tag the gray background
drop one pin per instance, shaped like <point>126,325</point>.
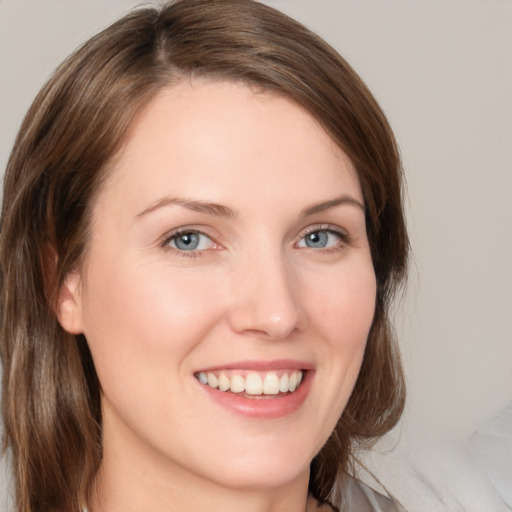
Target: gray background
<point>442,71</point>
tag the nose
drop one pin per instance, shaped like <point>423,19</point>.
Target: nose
<point>266,299</point>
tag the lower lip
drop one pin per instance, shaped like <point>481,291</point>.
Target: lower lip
<point>268,407</point>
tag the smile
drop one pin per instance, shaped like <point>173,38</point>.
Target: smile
<point>252,383</point>
<point>258,390</point>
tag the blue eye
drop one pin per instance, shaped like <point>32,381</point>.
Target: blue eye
<point>189,241</point>
<point>320,239</point>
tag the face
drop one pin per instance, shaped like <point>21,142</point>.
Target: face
<point>228,289</point>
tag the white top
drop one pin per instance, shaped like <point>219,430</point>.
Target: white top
<point>492,446</point>
<point>355,496</point>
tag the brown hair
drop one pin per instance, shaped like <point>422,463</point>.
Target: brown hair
<point>76,125</point>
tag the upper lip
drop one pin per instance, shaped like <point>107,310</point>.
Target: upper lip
<point>260,366</point>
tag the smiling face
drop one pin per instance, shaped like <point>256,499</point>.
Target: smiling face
<point>228,250</point>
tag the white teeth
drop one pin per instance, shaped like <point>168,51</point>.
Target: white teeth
<point>292,386</point>
<point>237,384</point>
<point>223,382</point>
<point>271,384</point>
<point>213,382</point>
<point>253,383</point>
<point>283,383</point>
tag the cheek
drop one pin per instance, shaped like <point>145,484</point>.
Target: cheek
<point>343,310</point>
<point>356,313</point>
<point>142,324</point>
<point>135,315</point>
<point>344,303</point>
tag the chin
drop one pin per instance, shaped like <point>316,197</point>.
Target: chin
<point>263,467</point>
<point>266,476</point>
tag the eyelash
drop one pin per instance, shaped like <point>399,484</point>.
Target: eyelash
<point>184,231</point>
<point>344,237</point>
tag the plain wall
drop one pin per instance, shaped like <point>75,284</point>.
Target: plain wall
<point>442,73</point>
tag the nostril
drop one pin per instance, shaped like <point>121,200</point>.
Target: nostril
<point>258,321</point>
<point>264,299</point>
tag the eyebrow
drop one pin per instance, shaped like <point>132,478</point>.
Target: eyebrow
<point>332,203</point>
<point>217,210</point>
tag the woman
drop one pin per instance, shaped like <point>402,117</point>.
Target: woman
<point>201,233</point>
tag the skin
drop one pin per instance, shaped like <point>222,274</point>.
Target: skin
<point>155,315</point>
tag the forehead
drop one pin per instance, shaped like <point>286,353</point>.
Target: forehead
<point>201,134</point>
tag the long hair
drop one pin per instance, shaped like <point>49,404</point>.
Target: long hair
<point>68,139</point>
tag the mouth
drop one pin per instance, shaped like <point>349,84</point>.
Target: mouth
<point>259,390</point>
<point>253,384</point>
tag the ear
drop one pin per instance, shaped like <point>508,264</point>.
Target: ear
<point>69,306</point>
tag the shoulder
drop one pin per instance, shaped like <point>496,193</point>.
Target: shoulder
<point>355,496</point>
